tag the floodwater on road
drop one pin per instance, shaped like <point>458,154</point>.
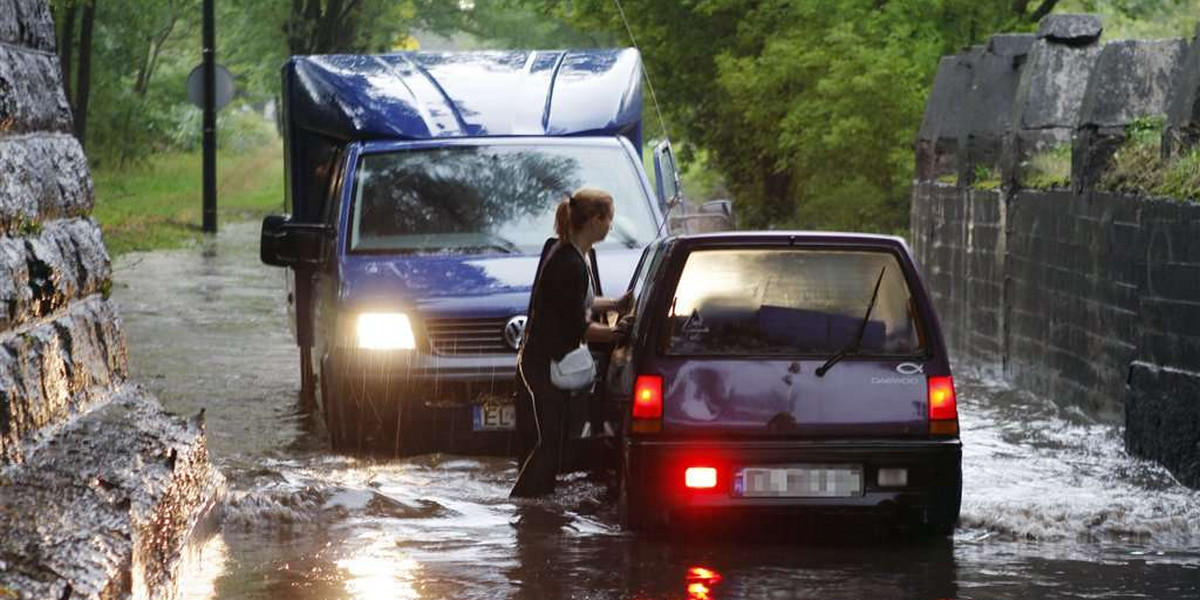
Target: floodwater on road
<point>1052,505</point>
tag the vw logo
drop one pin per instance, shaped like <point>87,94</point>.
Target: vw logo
<point>910,368</point>
<point>514,330</point>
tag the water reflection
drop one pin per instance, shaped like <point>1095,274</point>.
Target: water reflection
<point>199,569</point>
<point>380,571</point>
<point>700,583</point>
<point>813,568</point>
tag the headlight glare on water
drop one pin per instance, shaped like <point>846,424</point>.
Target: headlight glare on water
<point>385,331</point>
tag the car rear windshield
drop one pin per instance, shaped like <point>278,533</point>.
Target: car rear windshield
<point>489,198</point>
<point>791,302</point>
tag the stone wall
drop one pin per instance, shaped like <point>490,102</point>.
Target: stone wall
<point>1089,298</point>
<point>99,489</point>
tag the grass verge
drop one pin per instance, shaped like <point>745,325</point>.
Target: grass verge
<point>1138,166</point>
<point>157,204</point>
<point>1049,169</point>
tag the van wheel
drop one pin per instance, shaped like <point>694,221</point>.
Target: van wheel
<point>355,425</point>
<point>332,410</point>
<point>332,425</point>
<point>308,381</point>
<point>343,418</point>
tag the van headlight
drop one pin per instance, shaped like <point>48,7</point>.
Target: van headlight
<point>385,331</point>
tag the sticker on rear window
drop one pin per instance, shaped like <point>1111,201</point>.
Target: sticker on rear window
<point>694,325</point>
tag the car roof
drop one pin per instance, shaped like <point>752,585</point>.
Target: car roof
<point>726,238</point>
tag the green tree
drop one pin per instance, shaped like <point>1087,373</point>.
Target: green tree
<point>110,53</point>
<point>809,108</point>
<point>513,24</point>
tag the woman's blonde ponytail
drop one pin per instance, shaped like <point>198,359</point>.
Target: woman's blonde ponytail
<point>562,220</point>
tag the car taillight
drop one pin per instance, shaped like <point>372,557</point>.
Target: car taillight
<point>700,478</point>
<point>647,403</point>
<point>943,406</point>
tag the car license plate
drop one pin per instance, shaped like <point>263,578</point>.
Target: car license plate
<point>494,417</point>
<point>799,481</point>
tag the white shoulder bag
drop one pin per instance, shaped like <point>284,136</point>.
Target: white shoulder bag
<point>575,372</point>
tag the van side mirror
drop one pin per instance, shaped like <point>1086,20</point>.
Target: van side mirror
<point>666,176</point>
<point>285,243</point>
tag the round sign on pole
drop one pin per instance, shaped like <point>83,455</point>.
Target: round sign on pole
<point>195,86</point>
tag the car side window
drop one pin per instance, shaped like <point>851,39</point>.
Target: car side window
<point>639,273</point>
<point>644,281</point>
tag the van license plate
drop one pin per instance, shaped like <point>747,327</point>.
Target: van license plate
<point>494,417</point>
<point>799,481</point>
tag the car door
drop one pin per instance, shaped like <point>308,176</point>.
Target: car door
<point>324,281</point>
<point>618,380</point>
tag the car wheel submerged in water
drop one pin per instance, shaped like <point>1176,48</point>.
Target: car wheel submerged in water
<point>940,517</point>
<point>633,512</point>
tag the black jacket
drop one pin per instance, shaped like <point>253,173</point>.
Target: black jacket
<point>558,315</point>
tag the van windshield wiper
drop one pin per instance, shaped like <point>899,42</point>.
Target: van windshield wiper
<point>626,239</point>
<point>502,244</point>
<point>853,346</point>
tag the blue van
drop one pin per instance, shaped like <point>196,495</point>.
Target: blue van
<point>421,189</point>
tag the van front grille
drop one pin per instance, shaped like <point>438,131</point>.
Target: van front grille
<point>457,337</point>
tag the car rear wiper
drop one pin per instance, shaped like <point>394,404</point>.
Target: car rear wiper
<point>853,346</point>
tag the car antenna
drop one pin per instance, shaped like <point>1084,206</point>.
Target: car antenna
<point>662,123</point>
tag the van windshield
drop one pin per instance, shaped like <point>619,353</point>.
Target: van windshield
<point>489,198</point>
<point>791,302</point>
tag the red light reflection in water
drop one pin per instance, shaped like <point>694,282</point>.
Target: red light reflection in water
<point>700,582</point>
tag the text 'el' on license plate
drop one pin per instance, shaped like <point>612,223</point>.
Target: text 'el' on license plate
<point>799,481</point>
<point>494,417</point>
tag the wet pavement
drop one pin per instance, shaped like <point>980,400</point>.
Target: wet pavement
<point>1052,507</point>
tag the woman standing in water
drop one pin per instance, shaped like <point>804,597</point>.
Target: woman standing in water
<point>560,320</point>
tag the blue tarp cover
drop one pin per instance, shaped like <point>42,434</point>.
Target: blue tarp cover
<point>425,95</point>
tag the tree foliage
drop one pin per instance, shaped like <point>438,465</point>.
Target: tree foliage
<point>808,108</point>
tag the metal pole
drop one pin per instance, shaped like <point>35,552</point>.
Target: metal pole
<point>210,120</point>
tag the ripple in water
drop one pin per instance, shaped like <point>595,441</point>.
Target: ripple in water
<point>1034,471</point>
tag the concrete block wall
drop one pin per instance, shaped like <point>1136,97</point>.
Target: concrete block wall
<point>1131,79</point>
<point>1089,298</point>
<point>99,488</point>
<point>961,250</point>
<point>1072,288</point>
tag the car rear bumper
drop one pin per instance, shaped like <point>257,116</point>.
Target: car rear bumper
<point>656,474</point>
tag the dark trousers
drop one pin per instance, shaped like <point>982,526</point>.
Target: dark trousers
<point>548,407</point>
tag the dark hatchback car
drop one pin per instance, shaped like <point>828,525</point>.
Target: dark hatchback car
<point>785,372</point>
